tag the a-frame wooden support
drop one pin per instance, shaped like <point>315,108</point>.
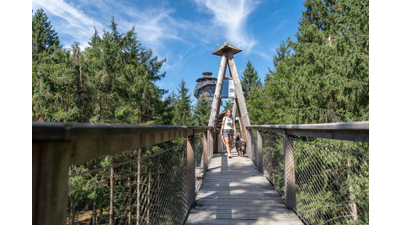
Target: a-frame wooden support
<point>227,51</point>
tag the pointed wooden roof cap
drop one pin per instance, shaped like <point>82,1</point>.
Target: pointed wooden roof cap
<point>225,46</point>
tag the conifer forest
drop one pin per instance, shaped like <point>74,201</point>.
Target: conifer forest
<point>319,76</point>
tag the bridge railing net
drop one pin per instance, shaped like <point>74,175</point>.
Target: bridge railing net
<point>145,186</point>
<point>332,178</point>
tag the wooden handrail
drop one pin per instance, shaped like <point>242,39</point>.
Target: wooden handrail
<point>350,131</point>
<point>69,131</point>
<point>55,146</point>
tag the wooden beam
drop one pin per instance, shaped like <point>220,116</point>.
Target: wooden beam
<point>260,151</point>
<point>241,103</point>
<point>205,153</point>
<point>51,161</point>
<point>217,96</point>
<point>350,131</point>
<point>238,89</point>
<point>190,171</point>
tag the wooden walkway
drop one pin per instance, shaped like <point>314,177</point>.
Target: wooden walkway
<point>235,192</point>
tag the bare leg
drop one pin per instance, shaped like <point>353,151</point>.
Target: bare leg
<point>228,144</point>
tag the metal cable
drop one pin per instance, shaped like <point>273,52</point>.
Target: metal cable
<point>149,189</point>
<point>331,183</point>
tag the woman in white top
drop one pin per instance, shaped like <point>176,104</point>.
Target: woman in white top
<point>228,130</point>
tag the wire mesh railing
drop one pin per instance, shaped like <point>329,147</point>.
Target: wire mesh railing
<point>89,174</point>
<point>331,183</point>
<point>146,186</point>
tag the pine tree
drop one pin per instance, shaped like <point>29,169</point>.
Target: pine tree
<point>182,108</point>
<point>323,78</point>
<point>54,83</point>
<point>267,105</point>
<point>44,39</point>
<point>250,80</point>
<point>123,76</point>
<point>227,105</point>
<point>201,112</point>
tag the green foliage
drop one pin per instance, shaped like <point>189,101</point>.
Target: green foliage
<point>250,80</point>
<point>182,108</point>
<point>201,112</point>
<point>44,39</point>
<point>227,105</point>
<point>111,81</point>
<point>322,78</point>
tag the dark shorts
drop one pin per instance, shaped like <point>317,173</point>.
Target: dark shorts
<point>227,133</point>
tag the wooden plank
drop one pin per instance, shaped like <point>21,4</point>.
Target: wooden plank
<point>234,191</point>
<point>247,222</point>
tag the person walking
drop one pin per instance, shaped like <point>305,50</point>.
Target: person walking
<point>228,131</point>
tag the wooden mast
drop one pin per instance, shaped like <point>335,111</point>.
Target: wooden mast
<point>226,51</point>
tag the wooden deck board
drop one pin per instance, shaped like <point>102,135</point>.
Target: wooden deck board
<point>235,192</point>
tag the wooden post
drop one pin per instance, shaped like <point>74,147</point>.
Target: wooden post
<point>227,51</point>
<point>190,171</point>
<point>260,151</point>
<point>216,104</point>
<point>217,96</point>
<point>234,108</point>
<point>50,163</point>
<point>290,188</point>
<point>254,147</point>
<point>205,153</point>
<point>241,103</point>
<point>242,132</point>
<point>353,206</point>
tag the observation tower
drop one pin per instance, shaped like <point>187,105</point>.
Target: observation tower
<point>205,86</point>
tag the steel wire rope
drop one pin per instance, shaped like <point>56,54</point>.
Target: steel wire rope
<point>322,146</point>
<point>124,163</point>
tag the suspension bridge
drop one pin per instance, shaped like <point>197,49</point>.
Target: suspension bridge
<point>161,174</point>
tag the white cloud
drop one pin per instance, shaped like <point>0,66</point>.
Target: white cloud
<point>281,25</point>
<point>231,16</point>
<point>75,22</point>
<point>263,55</point>
<point>157,28</point>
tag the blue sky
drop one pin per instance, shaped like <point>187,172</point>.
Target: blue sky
<point>185,32</point>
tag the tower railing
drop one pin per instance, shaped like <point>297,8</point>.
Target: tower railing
<point>116,174</point>
<point>320,170</point>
